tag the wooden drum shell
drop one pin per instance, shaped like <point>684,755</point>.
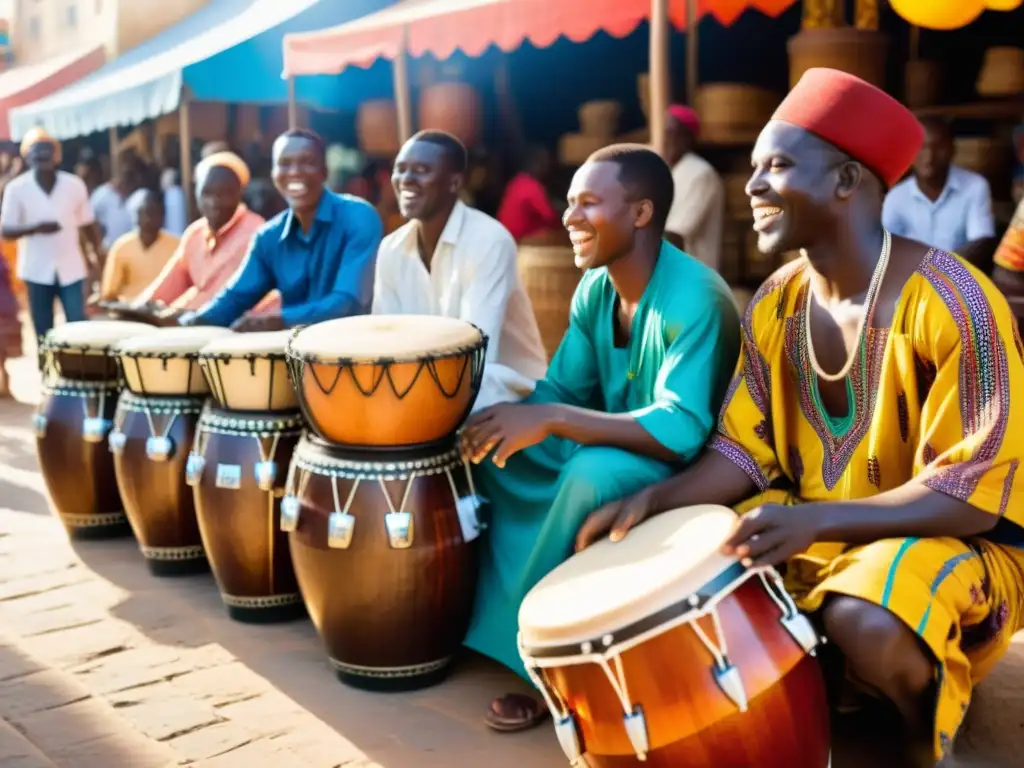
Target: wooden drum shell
<point>157,500</point>
<point>389,618</point>
<point>80,364</point>
<point>256,383</point>
<point>240,526</point>
<point>79,475</point>
<point>164,375</point>
<point>691,722</point>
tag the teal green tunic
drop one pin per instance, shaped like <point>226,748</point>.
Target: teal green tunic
<point>671,377</point>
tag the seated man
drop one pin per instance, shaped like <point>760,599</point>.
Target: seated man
<point>632,391</point>
<point>525,209</point>
<point>136,259</point>
<point>452,260</point>
<point>896,424</point>
<point>319,254</point>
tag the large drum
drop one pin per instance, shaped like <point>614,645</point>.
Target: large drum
<point>83,350</point>
<point>658,649</point>
<point>150,442</point>
<point>248,372</point>
<point>165,361</point>
<point>71,425</point>
<point>384,551</point>
<point>387,380</point>
<point>237,470</point>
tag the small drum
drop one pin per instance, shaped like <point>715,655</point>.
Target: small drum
<point>163,362</point>
<point>248,372</point>
<point>71,425</point>
<point>150,442</point>
<point>384,551</point>
<point>237,471</point>
<point>387,380</point>
<point>83,350</point>
<point>658,649</point>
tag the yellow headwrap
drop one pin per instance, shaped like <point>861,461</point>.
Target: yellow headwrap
<point>228,160</point>
<point>37,136</point>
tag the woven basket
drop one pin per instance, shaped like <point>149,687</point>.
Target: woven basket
<point>861,52</point>
<point>737,204</point>
<point>600,118</point>
<point>923,83</point>
<point>550,277</point>
<point>733,111</point>
<point>451,107</point>
<point>377,128</point>
<point>1002,73</point>
<point>575,148</point>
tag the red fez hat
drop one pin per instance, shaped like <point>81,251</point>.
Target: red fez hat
<point>863,121</point>
<point>687,117</point>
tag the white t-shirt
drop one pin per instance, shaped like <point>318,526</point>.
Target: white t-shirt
<point>473,276</point>
<point>56,258</point>
<point>112,213</point>
<point>698,208</point>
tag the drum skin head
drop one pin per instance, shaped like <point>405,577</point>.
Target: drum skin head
<point>172,341</point>
<point>369,338</point>
<point>96,334</point>
<point>244,344</point>
<point>610,586</point>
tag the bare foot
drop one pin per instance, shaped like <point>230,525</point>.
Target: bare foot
<point>515,712</point>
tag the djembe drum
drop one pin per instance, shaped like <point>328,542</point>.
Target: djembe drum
<point>660,650</point>
<point>237,469</point>
<point>154,426</point>
<point>80,391</point>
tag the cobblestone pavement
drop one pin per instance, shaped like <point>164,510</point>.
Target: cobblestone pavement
<point>103,665</point>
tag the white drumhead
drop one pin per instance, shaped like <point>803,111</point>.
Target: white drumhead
<point>182,341</point>
<point>372,337</point>
<point>96,334</point>
<point>242,344</point>
<point>610,586</point>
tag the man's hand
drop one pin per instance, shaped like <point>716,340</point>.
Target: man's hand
<point>46,228</point>
<point>774,533</point>
<point>248,324</point>
<point>616,518</point>
<point>505,429</point>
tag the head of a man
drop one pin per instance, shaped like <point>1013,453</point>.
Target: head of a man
<point>621,193</point>
<point>42,156</point>
<point>428,174</point>
<point>149,213</point>
<point>825,160</point>
<point>219,194</point>
<point>936,156</point>
<point>682,127</point>
<point>300,168</point>
<point>537,162</point>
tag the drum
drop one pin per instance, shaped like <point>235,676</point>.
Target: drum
<point>150,442</point>
<point>237,470</point>
<point>387,380</point>
<point>84,350</point>
<point>385,554</point>
<point>248,372</point>
<point>163,361</point>
<point>659,649</point>
<point>71,426</point>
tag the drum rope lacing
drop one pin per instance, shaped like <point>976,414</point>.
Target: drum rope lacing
<point>173,406</point>
<point>208,363</point>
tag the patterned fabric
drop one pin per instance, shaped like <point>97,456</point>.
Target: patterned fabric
<point>1010,253</point>
<point>930,403</point>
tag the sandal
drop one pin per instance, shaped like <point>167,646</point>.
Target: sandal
<point>515,712</point>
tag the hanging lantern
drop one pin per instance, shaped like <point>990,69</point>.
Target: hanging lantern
<point>1003,5</point>
<point>940,14</point>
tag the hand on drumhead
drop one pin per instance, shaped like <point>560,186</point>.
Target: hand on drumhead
<point>771,535</point>
<point>504,429</point>
<point>615,519</point>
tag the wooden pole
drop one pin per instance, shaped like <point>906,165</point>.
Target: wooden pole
<point>403,99</point>
<point>112,139</point>
<point>692,52</point>
<point>658,66</point>
<point>293,108</point>
<point>915,43</point>
<point>185,136</point>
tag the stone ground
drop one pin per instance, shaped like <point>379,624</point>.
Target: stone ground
<point>103,666</point>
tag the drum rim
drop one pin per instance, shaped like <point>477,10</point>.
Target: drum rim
<point>64,385</point>
<point>149,355</point>
<point>64,347</point>
<point>311,450</point>
<point>216,417</point>
<point>227,357</point>
<point>314,359</point>
<point>134,401</point>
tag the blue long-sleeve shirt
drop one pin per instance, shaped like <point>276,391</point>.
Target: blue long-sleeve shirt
<point>322,275</point>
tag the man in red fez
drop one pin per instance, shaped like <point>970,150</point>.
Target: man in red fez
<point>875,427</point>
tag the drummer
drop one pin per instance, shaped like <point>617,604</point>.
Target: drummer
<point>319,254</point>
<point>455,261</point>
<point>911,543</point>
<point>632,391</point>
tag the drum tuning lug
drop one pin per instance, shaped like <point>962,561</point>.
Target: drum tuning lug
<point>340,526</point>
<point>800,627</point>
<point>266,474</point>
<point>159,447</point>
<point>569,738</point>
<point>194,468</point>
<point>399,525</point>
<point>290,513</point>
<point>729,680</point>
<point>95,429</point>
<point>39,421</point>
<point>636,729</point>
<point>116,441</point>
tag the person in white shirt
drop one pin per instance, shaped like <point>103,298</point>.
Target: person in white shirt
<point>110,201</point>
<point>697,217</point>
<point>45,210</point>
<point>176,216</point>
<point>455,261</point>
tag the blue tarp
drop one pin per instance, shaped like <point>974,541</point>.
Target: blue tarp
<point>228,51</point>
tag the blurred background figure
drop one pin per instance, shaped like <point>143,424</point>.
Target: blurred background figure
<point>136,259</point>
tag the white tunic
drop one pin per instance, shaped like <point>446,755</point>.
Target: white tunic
<point>472,277</point>
<point>698,208</point>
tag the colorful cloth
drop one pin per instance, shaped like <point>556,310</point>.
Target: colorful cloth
<point>228,160</point>
<point>1010,253</point>
<point>687,117</point>
<point>930,402</point>
<point>525,208</point>
<point>670,378</point>
<point>10,324</point>
<point>130,267</point>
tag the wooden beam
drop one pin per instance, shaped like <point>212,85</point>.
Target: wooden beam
<point>293,109</point>
<point>658,66</point>
<point>185,136</point>
<point>692,52</point>
<point>403,98</point>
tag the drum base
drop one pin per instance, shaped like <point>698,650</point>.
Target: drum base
<point>265,610</point>
<point>397,680</point>
<point>175,561</point>
<point>90,527</point>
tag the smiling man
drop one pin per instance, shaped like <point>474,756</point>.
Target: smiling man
<point>319,254</point>
<point>455,261</point>
<point>632,391</point>
<point>881,384</point>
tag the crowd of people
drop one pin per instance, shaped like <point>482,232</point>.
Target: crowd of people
<point>860,414</point>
